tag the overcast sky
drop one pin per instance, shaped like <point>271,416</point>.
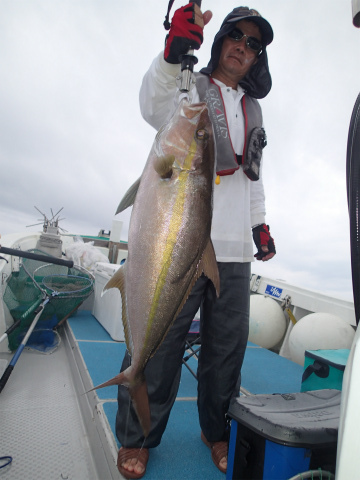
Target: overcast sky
<point>71,134</point>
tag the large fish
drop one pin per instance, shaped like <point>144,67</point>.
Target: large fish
<point>169,241</point>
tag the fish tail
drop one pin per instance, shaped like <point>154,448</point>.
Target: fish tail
<point>120,379</point>
<point>140,400</point>
<point>138,393</point>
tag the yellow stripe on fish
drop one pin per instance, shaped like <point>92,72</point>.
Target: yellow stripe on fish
<point>171,240</point>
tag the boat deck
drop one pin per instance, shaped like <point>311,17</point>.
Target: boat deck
<point>52,430</point>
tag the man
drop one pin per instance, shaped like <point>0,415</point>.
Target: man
<point>238,64</point>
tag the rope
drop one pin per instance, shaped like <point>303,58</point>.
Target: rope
<point>291,315</point>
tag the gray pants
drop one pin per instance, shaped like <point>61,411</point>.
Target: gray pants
<point>224,327</point>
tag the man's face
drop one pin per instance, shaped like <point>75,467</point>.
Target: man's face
<point>236,57</point>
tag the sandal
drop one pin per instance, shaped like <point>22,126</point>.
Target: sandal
<point>141,454</point>
<point>219,450</point>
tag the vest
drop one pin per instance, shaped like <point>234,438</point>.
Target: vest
<point>227,162</point>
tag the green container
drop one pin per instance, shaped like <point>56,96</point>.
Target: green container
<point>324,369</point>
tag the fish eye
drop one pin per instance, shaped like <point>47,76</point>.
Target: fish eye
<point>201,134</point>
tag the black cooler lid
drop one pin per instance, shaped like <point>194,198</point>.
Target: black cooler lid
<point>294,419</point>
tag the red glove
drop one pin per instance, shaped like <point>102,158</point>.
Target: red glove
<point>262,238</point>
<point>184,34</point>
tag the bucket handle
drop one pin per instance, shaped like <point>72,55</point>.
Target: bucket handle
<point>320,369</point>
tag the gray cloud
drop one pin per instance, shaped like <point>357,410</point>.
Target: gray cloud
<point>71,134</point>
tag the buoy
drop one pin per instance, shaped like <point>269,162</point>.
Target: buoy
<point>319,331</point>
<point>267,321</point>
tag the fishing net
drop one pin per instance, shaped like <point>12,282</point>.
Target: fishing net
<point>66,287</point>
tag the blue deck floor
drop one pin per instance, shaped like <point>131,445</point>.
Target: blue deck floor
<point>181,454</point>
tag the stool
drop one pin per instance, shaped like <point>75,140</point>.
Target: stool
<point>192,345</point>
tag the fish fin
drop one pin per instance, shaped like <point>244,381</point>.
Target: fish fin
<point>186,295</point>
<point>129,197</point>
<point>140,400</point>
<point>120,379</point>
<point>118,281</point>
<point>164,165</point>
<point>192,282</point>
<point>208,266</point>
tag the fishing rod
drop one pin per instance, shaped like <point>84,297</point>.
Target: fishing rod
<point>187,65</point>
<point>187,60</point>
<point>23,317</point>
<point>10,367</point>
<point>35,256</point>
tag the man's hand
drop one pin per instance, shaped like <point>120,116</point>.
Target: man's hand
<point>264,242</point>
<point>202,19</point>
<point>186,32</point>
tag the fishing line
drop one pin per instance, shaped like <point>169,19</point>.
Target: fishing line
<point>127,418</point>
<point>141,448</point>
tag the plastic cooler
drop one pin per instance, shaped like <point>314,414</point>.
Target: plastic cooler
<point>324,369</point>
<point>276,437</point>
<point>107,309</point>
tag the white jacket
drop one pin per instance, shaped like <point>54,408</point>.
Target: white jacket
<point>239,203</point>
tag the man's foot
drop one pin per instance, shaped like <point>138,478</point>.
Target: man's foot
<point>219,453</point>
<point>132,462</point>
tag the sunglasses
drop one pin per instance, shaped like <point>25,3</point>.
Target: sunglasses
<point>251,42</point>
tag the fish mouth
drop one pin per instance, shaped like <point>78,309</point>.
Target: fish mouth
<point>167,144</point>
<point>192,112</point>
